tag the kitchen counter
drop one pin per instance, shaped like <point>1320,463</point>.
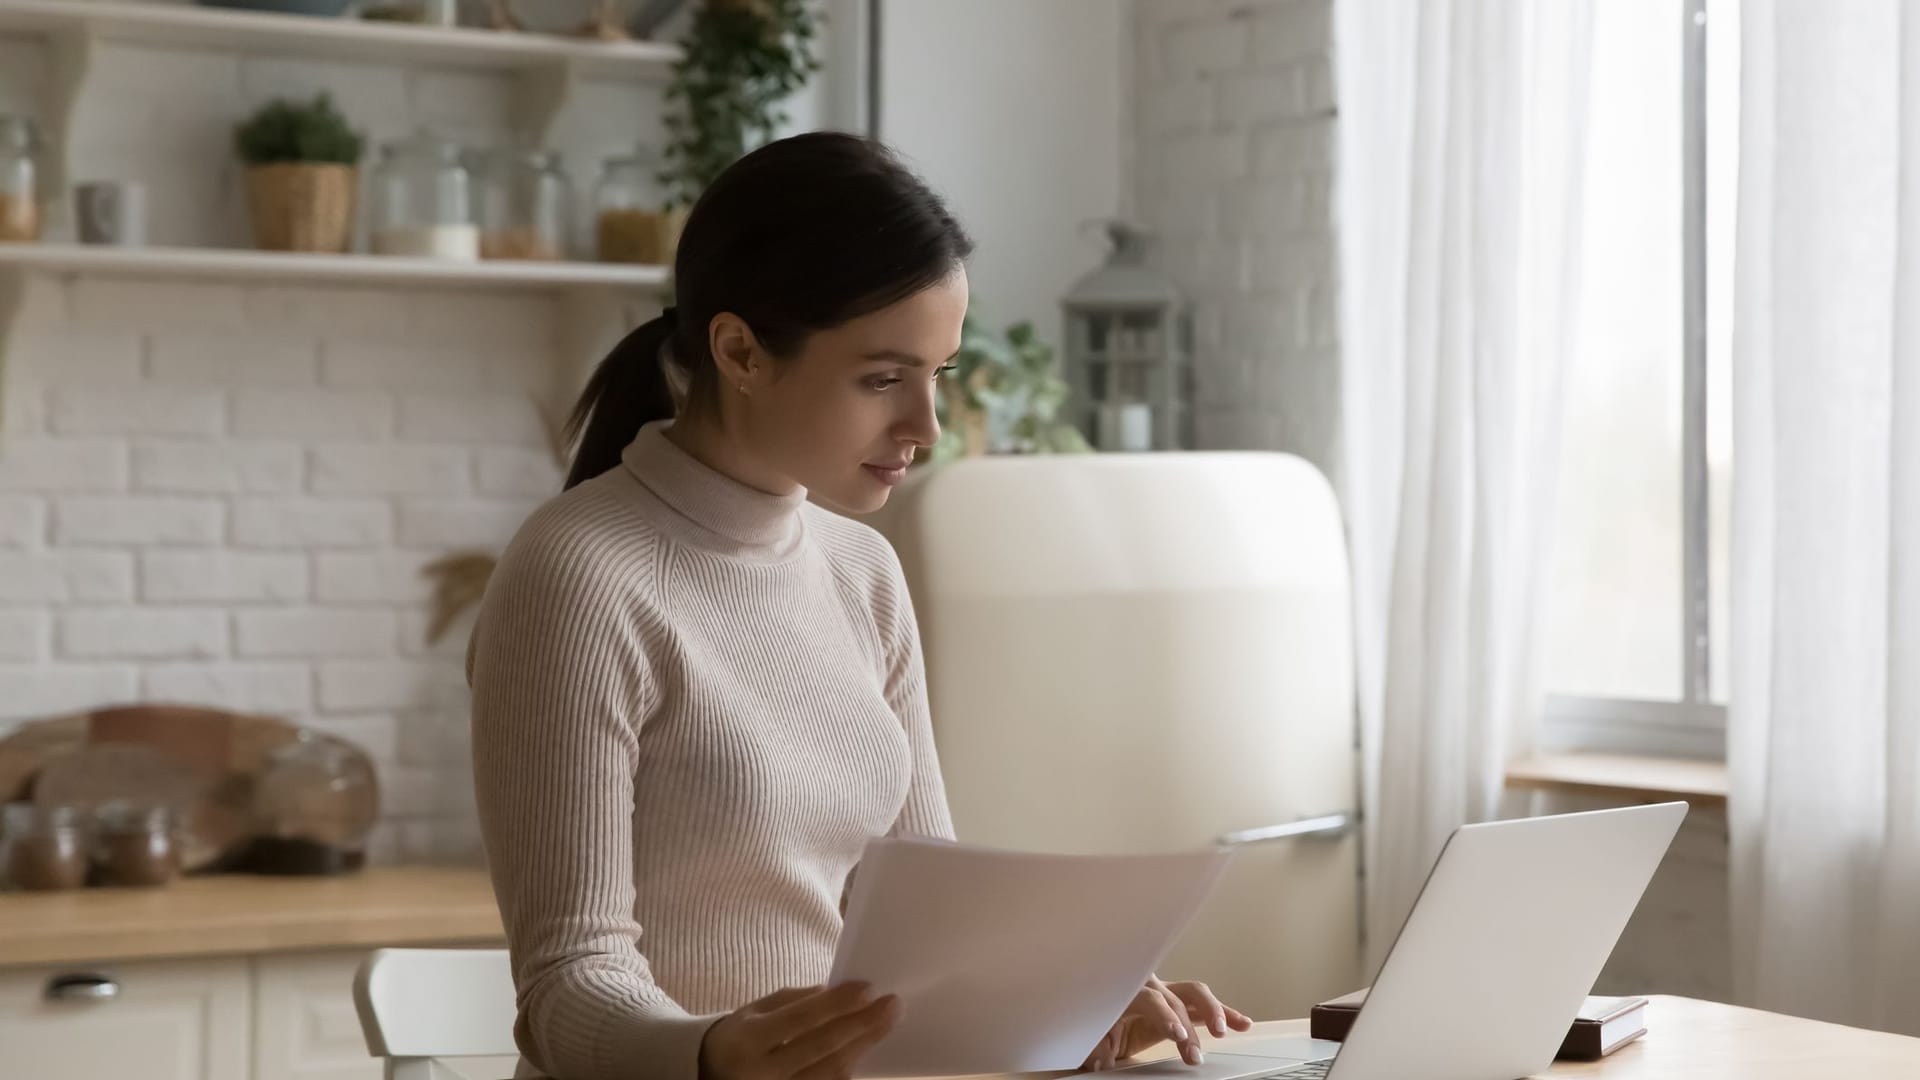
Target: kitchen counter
<point>227,914</point>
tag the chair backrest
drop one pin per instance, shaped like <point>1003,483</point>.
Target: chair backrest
<point>435,1003</point>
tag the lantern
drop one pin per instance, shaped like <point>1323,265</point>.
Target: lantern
<point>1129,351</point>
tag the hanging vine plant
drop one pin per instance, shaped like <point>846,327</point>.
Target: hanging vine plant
<point>743,58</point>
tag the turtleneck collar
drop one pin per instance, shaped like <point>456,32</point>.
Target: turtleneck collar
<point>718,512</point>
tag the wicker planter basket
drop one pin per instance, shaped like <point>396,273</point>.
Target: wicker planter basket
<point>301,207</point>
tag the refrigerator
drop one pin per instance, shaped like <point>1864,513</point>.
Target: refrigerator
<point>1149,653</point>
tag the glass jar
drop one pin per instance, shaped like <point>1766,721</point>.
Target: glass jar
<point>423,201</point>
<point>20,195</point>
<point>629,204</point>
<point>136,845</point>
<point>525,205</point>
<point>314,804</point>
<point>46,846</point>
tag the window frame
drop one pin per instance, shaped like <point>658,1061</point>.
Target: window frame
<point>1695,725</point>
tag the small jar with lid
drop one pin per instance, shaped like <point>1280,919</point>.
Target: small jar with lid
<point>525,205</point>
<point>629,204</point>
<point>423,201</point>
<point>20,180</point>
<point>136,845</point>
<point>46,846</point>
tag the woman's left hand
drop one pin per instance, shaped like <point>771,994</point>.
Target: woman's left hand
<point>1165,1011</point>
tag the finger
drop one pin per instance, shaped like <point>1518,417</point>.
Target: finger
<point>806,1013</point>
<point>1202,1006</point>
<point>839,1065</point>
<point>830,1038</point>
<point>1238,1020</point>
<point>1092,1064</point>
<point>1182,1029</point>
<point>1109,1051</point>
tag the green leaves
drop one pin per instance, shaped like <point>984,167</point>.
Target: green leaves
<point>1004,398</point>
<point>286,131</point>
<point>742,59</point>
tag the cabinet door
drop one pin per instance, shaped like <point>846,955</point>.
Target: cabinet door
<point>158,1020</point>
<point>305,1026</point>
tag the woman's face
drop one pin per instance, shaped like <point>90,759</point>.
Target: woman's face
<point>844,417</point>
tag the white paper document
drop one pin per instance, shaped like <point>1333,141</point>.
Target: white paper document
<point>1008,961</point>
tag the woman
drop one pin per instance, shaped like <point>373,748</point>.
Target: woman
<point>696,695</point>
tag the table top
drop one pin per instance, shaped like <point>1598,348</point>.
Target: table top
<point>1704,1040</point>
<point>225,914</point>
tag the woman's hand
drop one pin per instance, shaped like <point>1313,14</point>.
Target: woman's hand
<point>1165,1011</point>
<point>813,1033</point>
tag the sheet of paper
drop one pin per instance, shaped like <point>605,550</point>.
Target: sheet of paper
<point>1008,961</point>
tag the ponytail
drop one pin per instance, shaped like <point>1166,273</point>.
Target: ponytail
<point>627,390</point>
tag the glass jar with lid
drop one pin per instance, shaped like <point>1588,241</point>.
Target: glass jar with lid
<point>315,802</point>
<point>629,203</point>
<point>525,203</point>
<point>20,180</point>
<point>423,200</point>
<point>46,846</point>
<point>136,844</point>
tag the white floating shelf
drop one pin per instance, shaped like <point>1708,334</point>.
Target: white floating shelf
<point>338,38</point>
<point>273,266</point>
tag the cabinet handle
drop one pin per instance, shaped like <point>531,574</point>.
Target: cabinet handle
<point>82,988</point>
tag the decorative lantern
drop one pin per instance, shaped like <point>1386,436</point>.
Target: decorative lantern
<point>1129,349</point>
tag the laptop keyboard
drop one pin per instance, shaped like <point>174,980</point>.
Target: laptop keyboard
<point>1312,1070</point>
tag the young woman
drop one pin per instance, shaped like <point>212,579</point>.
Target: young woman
<point>696,694</point>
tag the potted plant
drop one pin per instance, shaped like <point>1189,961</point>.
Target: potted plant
<point>301,160</point>
<point>1003,398</point>
<point>742,58</point>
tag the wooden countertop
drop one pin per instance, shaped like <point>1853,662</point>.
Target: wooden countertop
<point>225,914</point>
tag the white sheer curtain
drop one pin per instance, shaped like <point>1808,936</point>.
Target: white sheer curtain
<point>1824,732</point>
<point>1461,128</point>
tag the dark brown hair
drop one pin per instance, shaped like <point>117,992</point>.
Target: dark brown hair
<point>799,236</point>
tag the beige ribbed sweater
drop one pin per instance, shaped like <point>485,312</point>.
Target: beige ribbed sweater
<point>693,703</point>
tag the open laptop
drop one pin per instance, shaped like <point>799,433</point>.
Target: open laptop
<point>1509,932</point>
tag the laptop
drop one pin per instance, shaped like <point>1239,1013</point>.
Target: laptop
<point>1508,934</point>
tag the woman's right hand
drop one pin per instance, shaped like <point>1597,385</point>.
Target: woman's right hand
<point>811,1033</point>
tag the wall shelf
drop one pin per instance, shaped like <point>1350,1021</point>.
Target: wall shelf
<point>289,268</point>
<point>339,39</point>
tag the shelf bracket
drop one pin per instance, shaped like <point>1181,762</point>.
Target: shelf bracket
<point>72,51</point>
<point>541,104</point>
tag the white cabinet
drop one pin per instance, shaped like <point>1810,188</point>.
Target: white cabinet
<point>165,1020</point>
<point>275,1016</point>
<point>304,1024</point>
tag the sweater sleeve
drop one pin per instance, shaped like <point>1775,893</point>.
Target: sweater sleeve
<point>925,812</point>
<point>560,685</point>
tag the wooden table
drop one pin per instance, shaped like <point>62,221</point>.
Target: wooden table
<point>1704,1040</point>
<point>1698,1040</point>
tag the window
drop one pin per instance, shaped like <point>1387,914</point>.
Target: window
<point>1635,617</point>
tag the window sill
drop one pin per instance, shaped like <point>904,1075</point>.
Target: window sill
<point>1701,783</point>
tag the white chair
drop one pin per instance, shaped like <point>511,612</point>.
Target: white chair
<point>420,1006</point>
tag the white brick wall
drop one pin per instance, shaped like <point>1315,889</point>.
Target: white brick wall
<point>225,495</point>
<point>286,457</point>
<point>1232,168</point>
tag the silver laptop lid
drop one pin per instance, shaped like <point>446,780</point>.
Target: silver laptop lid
<point>1509,933</point>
